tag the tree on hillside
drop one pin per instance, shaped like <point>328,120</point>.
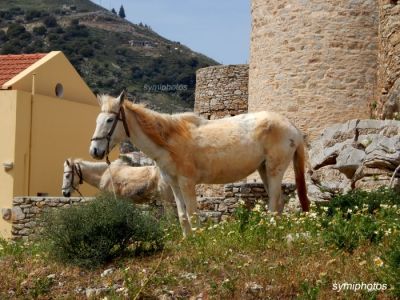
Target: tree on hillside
<point>113,11</point>
<point>50,21</point>
<point>122,12</point>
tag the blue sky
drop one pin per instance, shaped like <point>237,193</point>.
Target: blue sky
<point>219,29</point>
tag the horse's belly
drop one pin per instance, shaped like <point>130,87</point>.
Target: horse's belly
<point>229,167</point>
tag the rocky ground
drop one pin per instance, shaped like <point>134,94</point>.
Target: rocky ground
<point>358,154</point>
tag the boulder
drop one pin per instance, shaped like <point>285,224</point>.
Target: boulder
<point>349,160</point>
<point>16,214</point>
<point>331,179</point>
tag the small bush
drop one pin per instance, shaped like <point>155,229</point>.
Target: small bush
<point>93,233</point>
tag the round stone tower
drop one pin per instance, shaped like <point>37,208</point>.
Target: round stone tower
<point>313,61</point>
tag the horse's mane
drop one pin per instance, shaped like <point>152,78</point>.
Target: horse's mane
<point>161,127</point>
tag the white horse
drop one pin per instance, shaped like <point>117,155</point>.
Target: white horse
<point>190,150</point>
<point>141,184</point>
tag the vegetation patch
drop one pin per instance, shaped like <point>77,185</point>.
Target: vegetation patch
<point>255,255</point>
<point>95,232</point>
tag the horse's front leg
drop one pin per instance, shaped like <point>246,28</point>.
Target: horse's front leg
<point>189,195</point>
<point>181,208</point>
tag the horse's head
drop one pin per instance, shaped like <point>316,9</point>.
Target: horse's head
<point>72,177</point>
<point>109,132</point>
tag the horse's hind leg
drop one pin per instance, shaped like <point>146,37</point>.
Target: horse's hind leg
<point>275,169</point>
<point>262,171</point>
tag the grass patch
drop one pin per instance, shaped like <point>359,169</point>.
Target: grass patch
<point>257,255</point>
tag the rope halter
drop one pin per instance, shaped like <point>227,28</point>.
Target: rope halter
<point>120,116</point>
<point>75,169</point>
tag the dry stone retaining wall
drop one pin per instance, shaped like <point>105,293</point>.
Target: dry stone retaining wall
<point>26,210</point>
<point>221,208</point>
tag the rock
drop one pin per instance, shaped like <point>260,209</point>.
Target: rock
<point>317,194</point>
<point>51,276</point>
<point>253,288</point>
<point>17,214</point>
<point>79,290</point>
<point>6,213</point>
<point>330,179</point>
<point>90,292</point>
<point>320,156</point>
<point>366,152</point>
<point>25,231</point>
<point>107,272</point>
<point>200,296</point>
<point>374,182</point>
<point>349,160</point>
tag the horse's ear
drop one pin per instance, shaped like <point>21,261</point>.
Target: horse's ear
<point>121,97</point>
<point>99,100</point>
<point>67,162</point>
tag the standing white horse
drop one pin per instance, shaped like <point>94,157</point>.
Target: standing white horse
<point>141,184</point>
<point>191,150</point>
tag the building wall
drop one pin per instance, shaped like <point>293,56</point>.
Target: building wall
<point>22,142</point>
<point>60,129</point>
<point>313,61</point>
<point>7,138</point>
<point>221,91</point>
<point>37,134</point>
<point>387,102</point>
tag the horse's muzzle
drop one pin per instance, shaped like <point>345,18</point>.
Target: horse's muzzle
<point>66,194</point>
<point>96,154</point>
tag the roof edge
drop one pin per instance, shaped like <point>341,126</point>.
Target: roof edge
<point>30,69</point>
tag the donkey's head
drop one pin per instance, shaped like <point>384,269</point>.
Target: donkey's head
<point>72,177</point>
<point>109,131</point>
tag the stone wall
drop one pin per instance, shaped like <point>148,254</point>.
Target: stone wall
<point>220,208</point>
<point>388,93</point>
<point>221,91</point>
<point>25,212</point>
<point>314,61</point>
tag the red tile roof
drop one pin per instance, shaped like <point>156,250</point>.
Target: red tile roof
<point>12,65</point>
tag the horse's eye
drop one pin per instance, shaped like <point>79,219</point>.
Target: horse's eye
<point>67,176</point>
<point>110,120</point>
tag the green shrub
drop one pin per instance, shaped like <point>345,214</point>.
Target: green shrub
<point>41,287</point>
<point>95,232</point>
<point>357,200</point>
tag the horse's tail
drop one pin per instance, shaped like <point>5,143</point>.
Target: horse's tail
<point>299,171</point>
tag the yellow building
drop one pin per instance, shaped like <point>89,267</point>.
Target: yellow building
<point>47,114</point>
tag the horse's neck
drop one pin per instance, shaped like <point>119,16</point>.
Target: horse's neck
<point>92,172</point>
<point>140,139</point>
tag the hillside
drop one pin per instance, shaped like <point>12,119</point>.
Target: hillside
<point>109,52</point>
